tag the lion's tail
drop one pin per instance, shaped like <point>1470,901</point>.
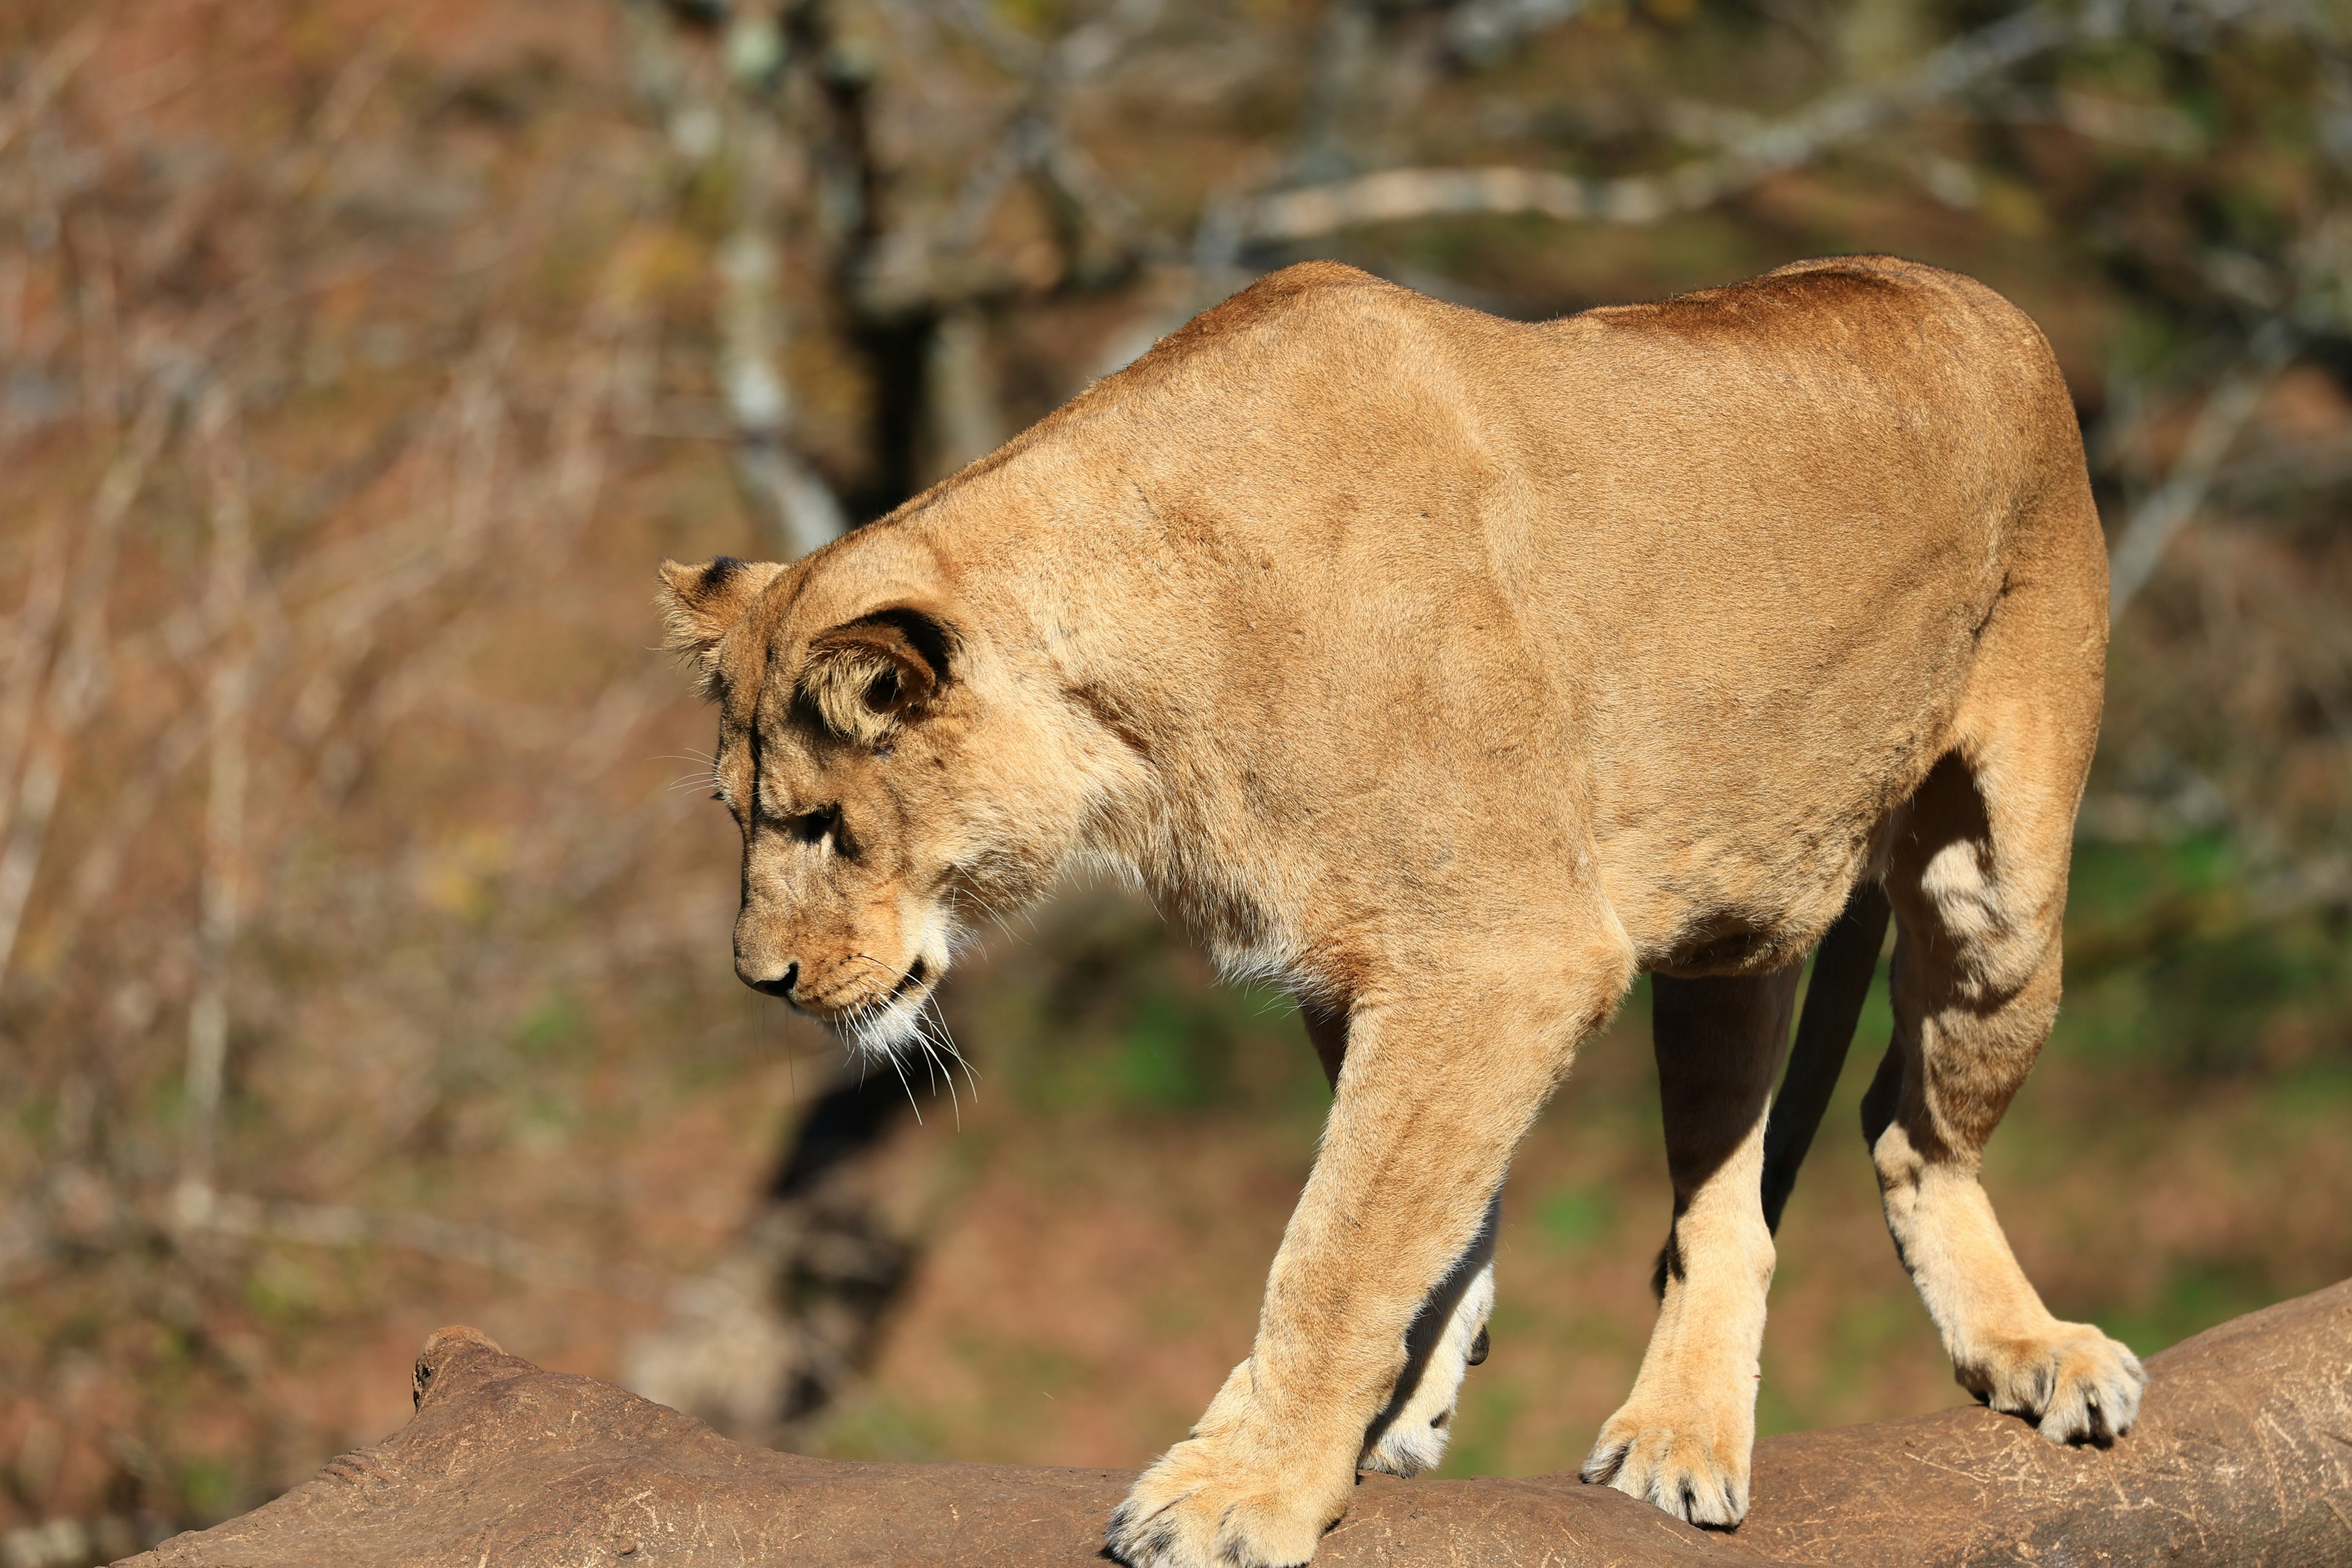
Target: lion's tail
<point>1842,967</point>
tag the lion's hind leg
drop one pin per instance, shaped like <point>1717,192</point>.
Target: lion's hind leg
<point>1682,1440</point>
<point>1976,875</point>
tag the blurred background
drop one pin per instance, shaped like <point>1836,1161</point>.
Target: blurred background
<point>364,966</point>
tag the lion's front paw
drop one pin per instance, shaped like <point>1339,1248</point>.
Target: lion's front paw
<point>2076,1384</point>
<point>1693,1468</point>
<point>1198,1507</point>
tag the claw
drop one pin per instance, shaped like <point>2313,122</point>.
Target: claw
<point>1601,1468</point>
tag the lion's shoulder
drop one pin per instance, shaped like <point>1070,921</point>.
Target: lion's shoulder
<point>1303,297</point>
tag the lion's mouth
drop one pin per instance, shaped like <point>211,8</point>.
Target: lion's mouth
<point>912,978</point>
<point>882,1026</point>
<point>904,994</point>
<point>839,1010</point>
<point>872,1008</point>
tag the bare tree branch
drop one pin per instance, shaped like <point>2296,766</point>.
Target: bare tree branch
<point>2140,543</point>
<point>226,693</point>
<point>1484,29</point>
<point>76,679</point>
<point>47,79</point>
<point>798,510</point>
<point>925,262</point>
<point>735,118</point>
<point>1396,196</point>
<point>26,660</point>
<point>967,418</point>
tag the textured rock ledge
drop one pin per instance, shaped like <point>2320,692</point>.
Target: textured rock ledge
<point>2243,1456</point>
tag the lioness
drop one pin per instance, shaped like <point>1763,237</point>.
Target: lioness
<point>1455,671</point>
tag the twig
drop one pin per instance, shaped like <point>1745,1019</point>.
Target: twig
<point>308,159</point>
<point>78,677</point>
<point>47,79</point>
<point>226,693</point>
<point>394,565</point>
<point>2152,524</point>
<point>126,814</point>
<point>1484,29</point>
<point>27,655</point>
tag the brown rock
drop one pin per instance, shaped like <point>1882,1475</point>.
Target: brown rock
<point>2243,1456</point>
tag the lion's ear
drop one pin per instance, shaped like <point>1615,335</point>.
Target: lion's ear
<point>869,676</point>
<point>700,605</point>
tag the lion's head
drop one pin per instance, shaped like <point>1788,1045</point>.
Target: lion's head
<point>891,780</point>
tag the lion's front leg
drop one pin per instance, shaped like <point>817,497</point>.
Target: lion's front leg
<point>1426,1115</point>
<point>1448,1336</point>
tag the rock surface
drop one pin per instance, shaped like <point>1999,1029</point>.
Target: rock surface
<point>2243,1456</point>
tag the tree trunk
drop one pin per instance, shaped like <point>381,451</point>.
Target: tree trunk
<point>2244,1455</point>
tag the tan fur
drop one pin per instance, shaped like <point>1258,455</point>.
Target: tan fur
<point>1454,672</point>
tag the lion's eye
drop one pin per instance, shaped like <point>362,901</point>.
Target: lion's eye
<point>811,826</point>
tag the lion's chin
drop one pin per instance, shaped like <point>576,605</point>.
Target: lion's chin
<point>892,1024</point>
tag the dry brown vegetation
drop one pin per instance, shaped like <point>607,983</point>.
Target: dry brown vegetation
<point>361,970</point>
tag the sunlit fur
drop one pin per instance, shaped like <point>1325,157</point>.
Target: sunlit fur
<point>1450,672</point>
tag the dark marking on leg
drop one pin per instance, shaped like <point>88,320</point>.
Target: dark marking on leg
<point>1844,966</point>
<point>1880,1101</point>
<point>1670,1264</point>
<point>1429,1324</point>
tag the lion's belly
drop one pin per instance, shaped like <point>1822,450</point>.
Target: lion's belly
<point>1733,847</point>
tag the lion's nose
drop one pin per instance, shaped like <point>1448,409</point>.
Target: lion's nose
<point>779,988</point>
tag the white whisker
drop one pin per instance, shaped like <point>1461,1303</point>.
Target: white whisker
<point>898,1068</point>
<point>955,1054</point>
<point>990,911</point>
